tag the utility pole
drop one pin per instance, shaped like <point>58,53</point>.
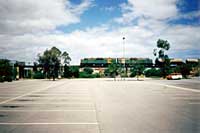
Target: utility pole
<point>124,60</point>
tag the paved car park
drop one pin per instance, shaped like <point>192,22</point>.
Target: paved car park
<point>99,106</point>
<point>46,106</point>
<point>193,83</point>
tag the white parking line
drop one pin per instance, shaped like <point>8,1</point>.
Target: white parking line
<point>67,94</point>
<point>185,98</point>
<point>181,88</point>
<point>73,123</point>
<point>184,95</point>
<point>60,94</point>
<point>8,94</point>
<point>29,93</point>
<point>47,110</point>
<point>194,103</point>
<point>5,97</point>
<point>47,103</point>
<point>55,98</point>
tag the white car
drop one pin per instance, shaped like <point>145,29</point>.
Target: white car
<point>174,76</point>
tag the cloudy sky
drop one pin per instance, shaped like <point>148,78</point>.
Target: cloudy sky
<point>94,28</point>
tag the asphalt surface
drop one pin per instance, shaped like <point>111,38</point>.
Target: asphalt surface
<point>193,83</point>
<point>100,106</point>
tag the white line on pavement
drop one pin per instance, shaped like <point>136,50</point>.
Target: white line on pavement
<point>29,93</point>
<point>48,103</point>
<point>54,98</point>
<point>73,123</point>
<point>8,94</point>
<point>47,110</point>
<point>185,98</point>
<point>194,103</point>
<point>181,88</point>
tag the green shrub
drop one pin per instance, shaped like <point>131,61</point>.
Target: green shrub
<point>8,78</point>
<point>97,75</point>
<point>133,74</point>
<point>153,72</point>
<point>1,79</point>
<point>71,71</point>
<point>197,74</point>
<point>88,70</point>
<point>38,75</point>
<point>86,75</point>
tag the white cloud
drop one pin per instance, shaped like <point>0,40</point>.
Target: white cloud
<point>30,16</point>
<point>183,37</point>
<point>79,9</point>
<point>154,9</point>
<point>158,9</point>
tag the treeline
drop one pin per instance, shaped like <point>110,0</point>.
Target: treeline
<point>68,72</point>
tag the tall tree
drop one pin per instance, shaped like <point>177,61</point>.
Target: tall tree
<point>51,61</point>
<point>162,59</point>
<point>113,70</point>
<point>66,59</point>
<point>137,70</point>
<point>6,71</point>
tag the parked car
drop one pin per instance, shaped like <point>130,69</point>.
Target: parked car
<point>174,76</point>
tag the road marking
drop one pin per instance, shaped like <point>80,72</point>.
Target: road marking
<point>47,110</point>
<point>194,103</point>
<point>69,123</point>
<point>184,95</point>
<point>55,98</point>
<point>8,94</point>
<point>29,93</point>
<point>5,97</point>
<point>61,94</point>
<point>185,98</point>
<point>181,88</point>
<point>47,103</point>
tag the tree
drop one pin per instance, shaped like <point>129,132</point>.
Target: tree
<point>51,61</point>
<point>184,69</point>
<point>88,70</point>
<point>71,71</point>
<point>152,72</point>
<point>66,59</point>
<point>67,73</point>
<point>6,71</point>
<point>137,69</point>
<point>113,70</point>
<point>162,59</point>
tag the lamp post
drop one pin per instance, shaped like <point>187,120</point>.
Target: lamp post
<point>124,60</point>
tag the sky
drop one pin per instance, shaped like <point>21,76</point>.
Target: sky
<point>95,28</point>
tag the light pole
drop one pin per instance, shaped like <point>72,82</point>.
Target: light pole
<point>124,60</point>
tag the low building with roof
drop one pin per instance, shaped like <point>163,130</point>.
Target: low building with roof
<point>100,64</point>
<point>176,62</point>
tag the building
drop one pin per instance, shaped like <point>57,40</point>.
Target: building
<point>193,62</point>
<point>104,62</point>
<point>100,64</point>
<point>176,62</point>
